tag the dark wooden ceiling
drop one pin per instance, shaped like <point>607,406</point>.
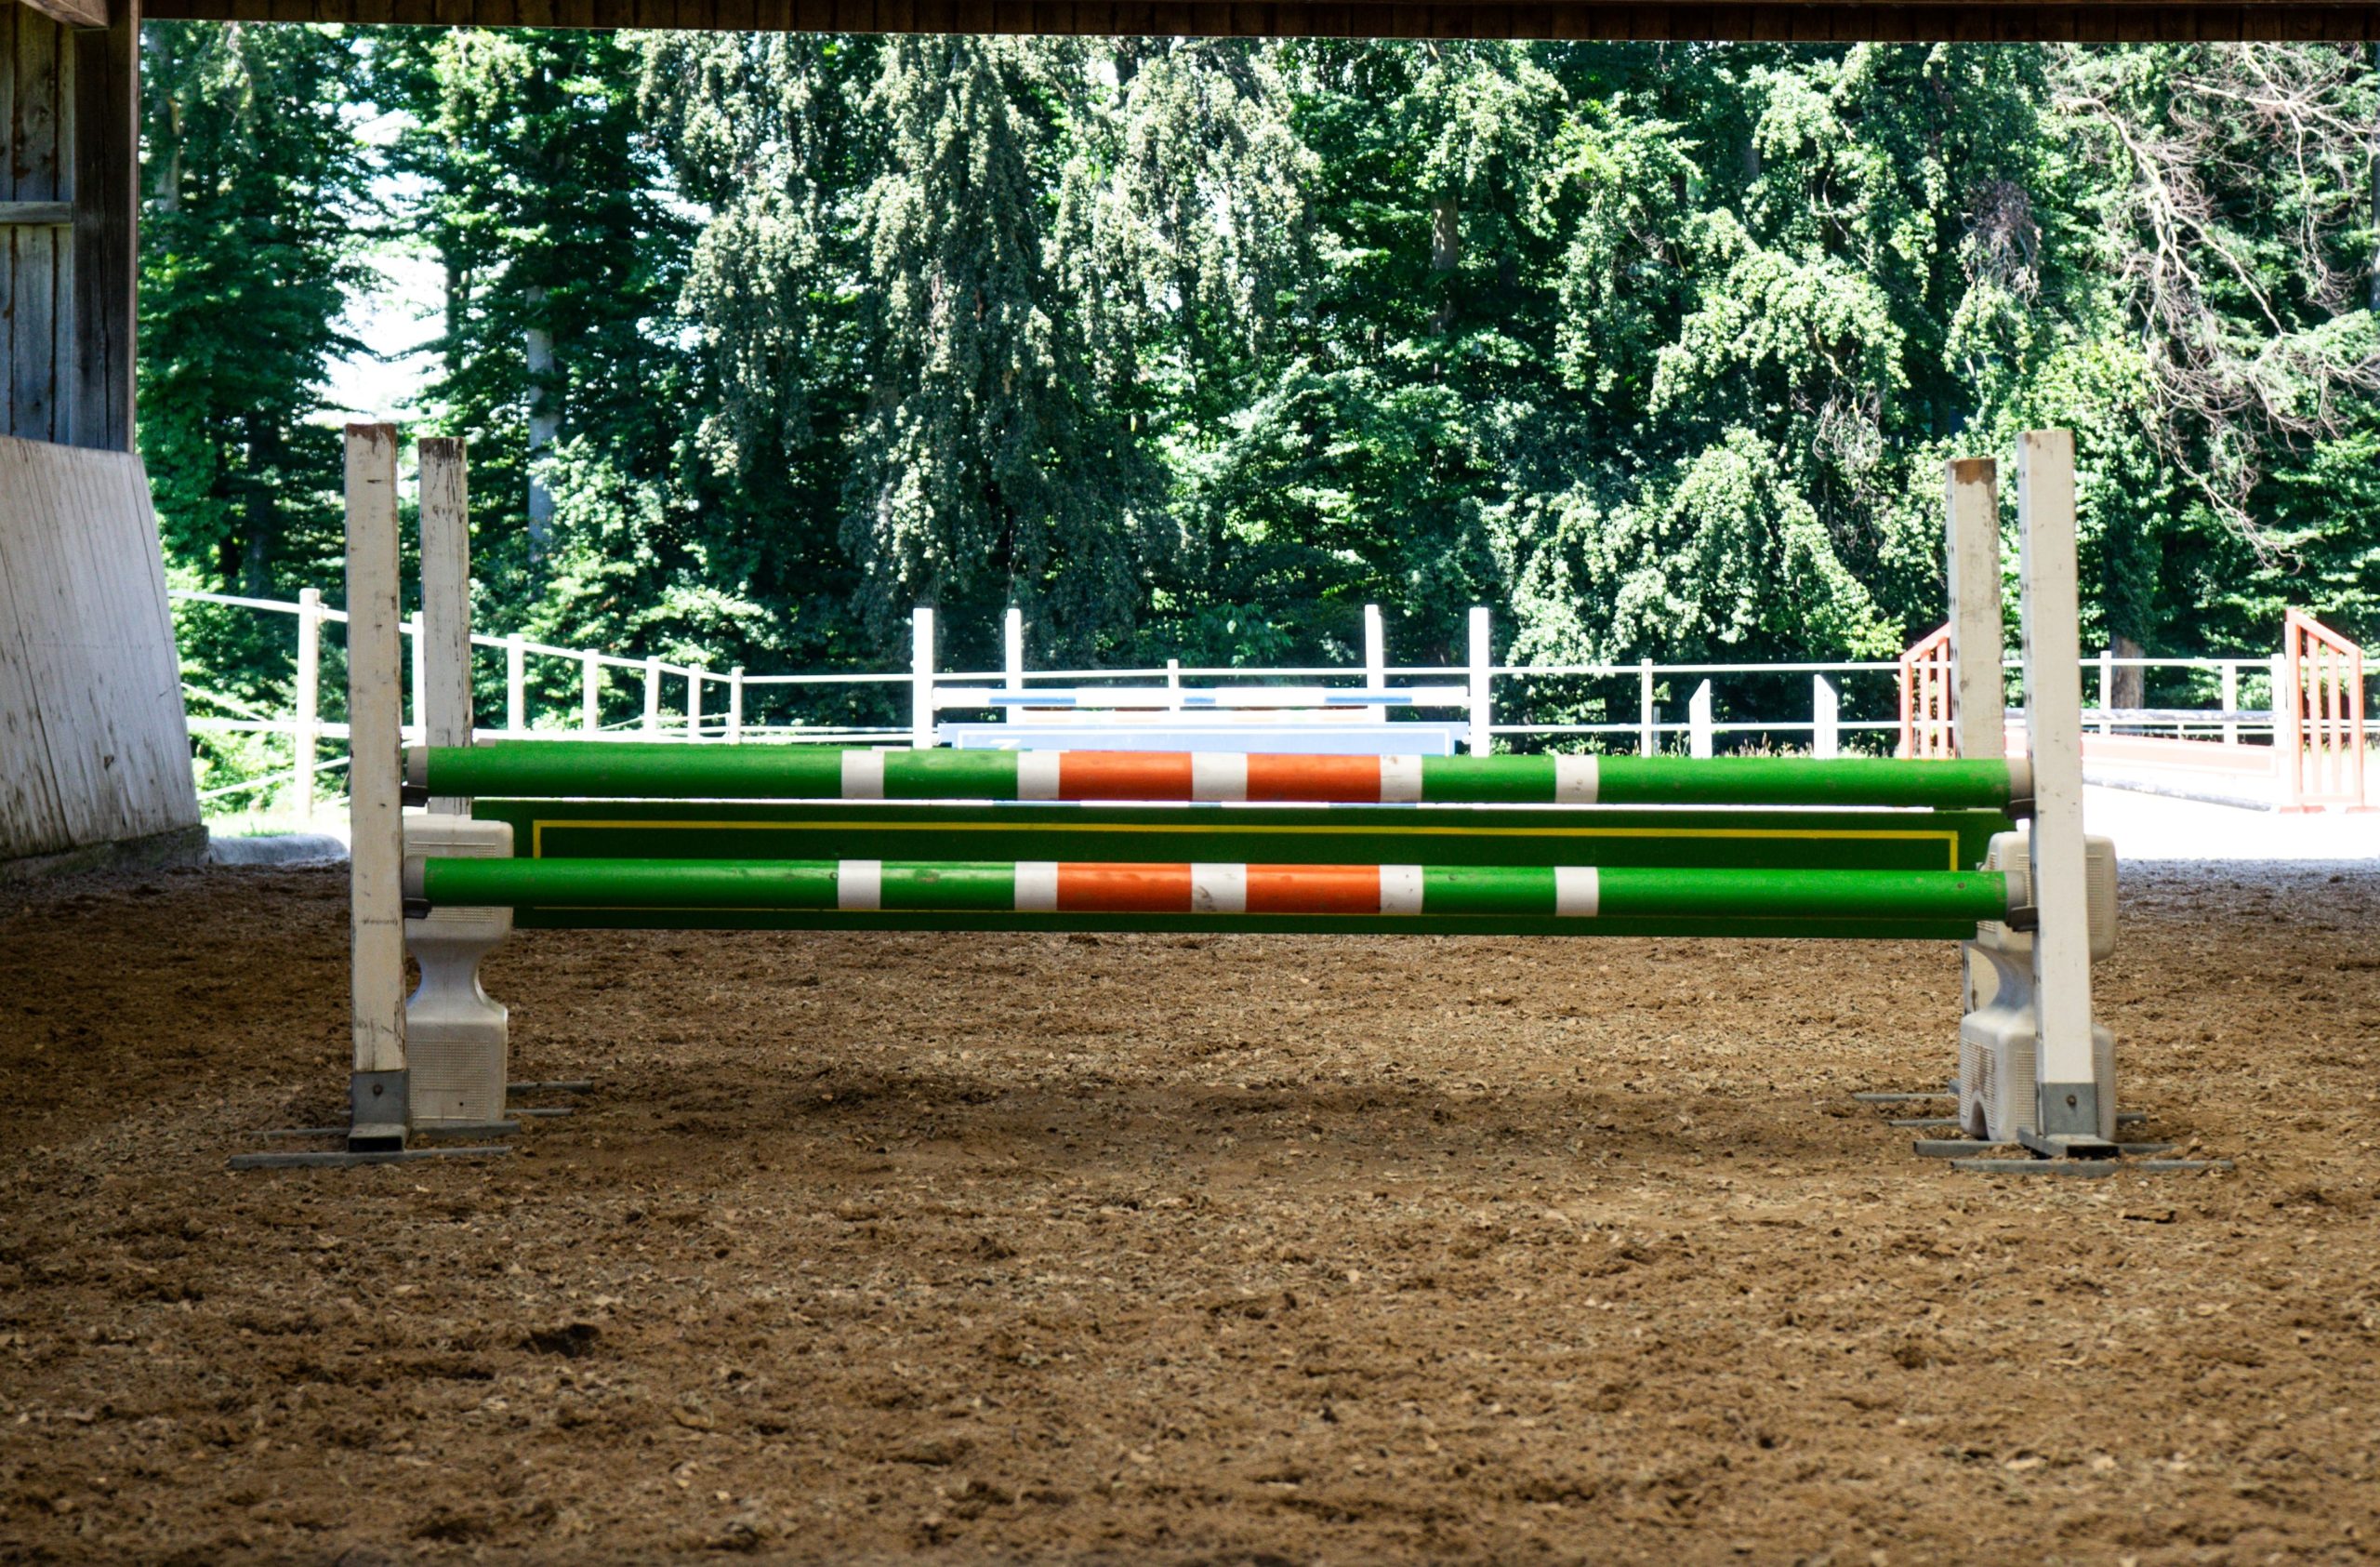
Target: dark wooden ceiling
<point>1760,20</point>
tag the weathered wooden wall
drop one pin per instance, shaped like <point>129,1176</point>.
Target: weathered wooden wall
<point>67,180</point>
<point>92,744</point>
<point>1774,20</point>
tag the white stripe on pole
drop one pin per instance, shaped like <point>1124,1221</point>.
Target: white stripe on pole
<point>1400,889</point>
<point>1037,774</point>
<point>1218,889</point>
<point>1218,776</point>
<point>1400,780</point>
<point>1576,781</point>
<point>1577,890</point>
<point>859,884</point>
<point>863,775</point>
<point>1036,886</point>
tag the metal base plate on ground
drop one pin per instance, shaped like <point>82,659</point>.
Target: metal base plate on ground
<point>337,1158</point>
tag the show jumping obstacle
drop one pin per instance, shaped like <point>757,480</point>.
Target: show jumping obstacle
<point>591,834</point>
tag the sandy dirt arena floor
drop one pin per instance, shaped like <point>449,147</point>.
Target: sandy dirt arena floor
<point>1255,1250</point>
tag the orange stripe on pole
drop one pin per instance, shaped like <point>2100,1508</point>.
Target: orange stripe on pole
<point>1314,889</point>
<point>1314,778</point>
<point>1124,775</point>
<point>1123,889</point>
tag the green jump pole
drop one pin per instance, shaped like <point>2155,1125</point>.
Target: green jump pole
<point>646,770</point>
<point>1029,887</point>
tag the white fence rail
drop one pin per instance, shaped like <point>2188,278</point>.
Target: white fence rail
<point>710,705</point>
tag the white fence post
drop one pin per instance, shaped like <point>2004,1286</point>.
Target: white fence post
<point>516,685</point>
<point>2107,687</point>
<point>1826,718</point>
<point>1648,723</point>
<point>653,698</point>
<point>1012,649</point>
<point>1375,653</point>
<point>2230,702</point>
<point>1173,685</point>
<point>306,722</point>
<point>921,678</point>
<point>419,672</point>
<point>1698,719</point>
<point>1482,739</point>
<point>735,706</point>
<point>591,693</point>
<point>694,703</point>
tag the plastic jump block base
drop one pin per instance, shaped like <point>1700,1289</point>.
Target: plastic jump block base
<point>661,770</point>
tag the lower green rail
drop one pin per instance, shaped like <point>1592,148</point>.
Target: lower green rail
<point>1251,897</point>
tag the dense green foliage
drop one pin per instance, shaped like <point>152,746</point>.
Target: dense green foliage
<point>1197,347</point>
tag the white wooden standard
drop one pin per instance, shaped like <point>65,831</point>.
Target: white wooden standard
<point>1826,718</point>
<point>735,706</point>
<point>653,698</point>
<point>417,644</point>
<point>375,827</point>
<point>1649,722</point>
<point>694,677</point>
<point>93,747</point>
<point>1971,556</point>
<point>1012,649</point>
<point>591,693</point>
<point>1482,739</point>
<point>1698,722</point>
<point>305,729</point>
<point>442,653</point>
<point>921,678</point>
<point>1375,652</point>
<point>2074,1105</point>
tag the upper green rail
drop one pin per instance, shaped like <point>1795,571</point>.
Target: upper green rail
<point>646,770</point>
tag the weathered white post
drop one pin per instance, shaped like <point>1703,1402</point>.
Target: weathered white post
<point>653,698</point>
<point>921,678</point>
<point>590,695</point>
<point>735,706</point>
<point>458,1039</point>
<point>694,704</point>
<point>417,641</point>
<point>1698,722</point>
<point>516,686</point>
<point>305,729</point>
<point>1649,722</point>
<point>377,1119</point>
<point>2230,702</point>
<point>1971,553</point>
<point>1173,685</point>
<point>1012,649</point>
<point>1826,718</point>
<point>2077,1109</point>
<point>443,630</point>
<point>1375,652</point>
<point>1482,738</point>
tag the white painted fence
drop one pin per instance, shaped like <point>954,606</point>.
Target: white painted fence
<point>711,703</point>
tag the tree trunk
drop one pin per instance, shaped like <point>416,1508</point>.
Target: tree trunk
<point>1445,256</point>
<point>545,425</point>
